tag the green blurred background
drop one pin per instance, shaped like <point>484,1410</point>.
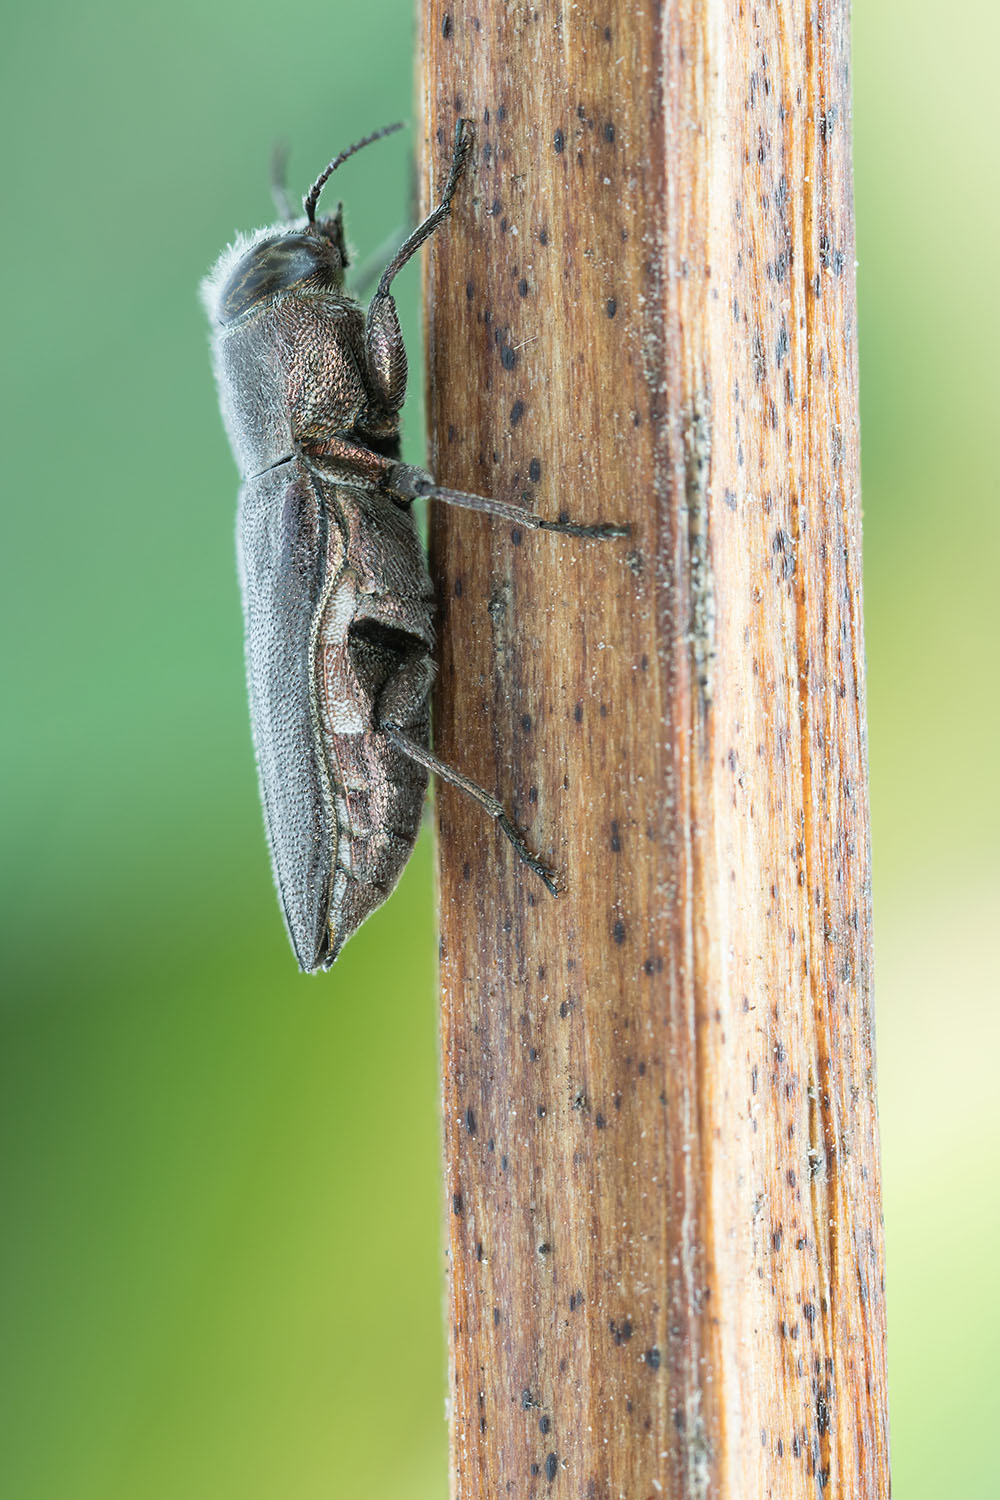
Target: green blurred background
<point>219,1251</point>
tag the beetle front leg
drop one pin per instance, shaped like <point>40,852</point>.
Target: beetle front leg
<point>384,350</point>
<point>385,353</point>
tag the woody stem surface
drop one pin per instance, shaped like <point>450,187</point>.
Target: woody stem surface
<point>661,1153</point>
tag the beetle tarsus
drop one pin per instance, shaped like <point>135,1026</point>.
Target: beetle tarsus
<point>545,874</point>
<point>601,532</point>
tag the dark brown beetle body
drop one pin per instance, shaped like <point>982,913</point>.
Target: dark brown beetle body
<point>336,593</point>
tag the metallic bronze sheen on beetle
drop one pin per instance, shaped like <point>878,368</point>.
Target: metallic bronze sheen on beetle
<point>336,593</point>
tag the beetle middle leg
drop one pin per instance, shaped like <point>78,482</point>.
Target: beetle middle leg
<point>406,482</point>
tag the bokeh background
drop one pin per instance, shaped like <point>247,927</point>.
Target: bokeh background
<point>219,1237</point>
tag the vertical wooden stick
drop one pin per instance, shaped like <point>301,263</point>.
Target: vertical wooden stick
<point>659,1091</point>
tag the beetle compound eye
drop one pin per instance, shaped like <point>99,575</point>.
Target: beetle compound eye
<point>277,266</point>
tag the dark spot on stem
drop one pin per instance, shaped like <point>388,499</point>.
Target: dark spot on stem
<point>822,1415</point>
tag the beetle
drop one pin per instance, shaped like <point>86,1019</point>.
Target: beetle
<point>336,592</point>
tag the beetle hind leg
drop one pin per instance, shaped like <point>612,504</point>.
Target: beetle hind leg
<point>490,804</point>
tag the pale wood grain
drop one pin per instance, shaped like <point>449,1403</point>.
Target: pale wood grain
<point>659,1092</point>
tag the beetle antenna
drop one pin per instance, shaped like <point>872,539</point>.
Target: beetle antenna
<point>279,190</point>
<point>312,197</point>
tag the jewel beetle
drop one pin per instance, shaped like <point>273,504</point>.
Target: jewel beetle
<point>337,596</point>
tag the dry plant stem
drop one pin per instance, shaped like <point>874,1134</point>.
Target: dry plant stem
<point>659,1089</point>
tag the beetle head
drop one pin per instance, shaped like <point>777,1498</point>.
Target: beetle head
<point>311,259</point>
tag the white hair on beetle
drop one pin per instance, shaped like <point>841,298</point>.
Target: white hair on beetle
<point>211,286</point>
